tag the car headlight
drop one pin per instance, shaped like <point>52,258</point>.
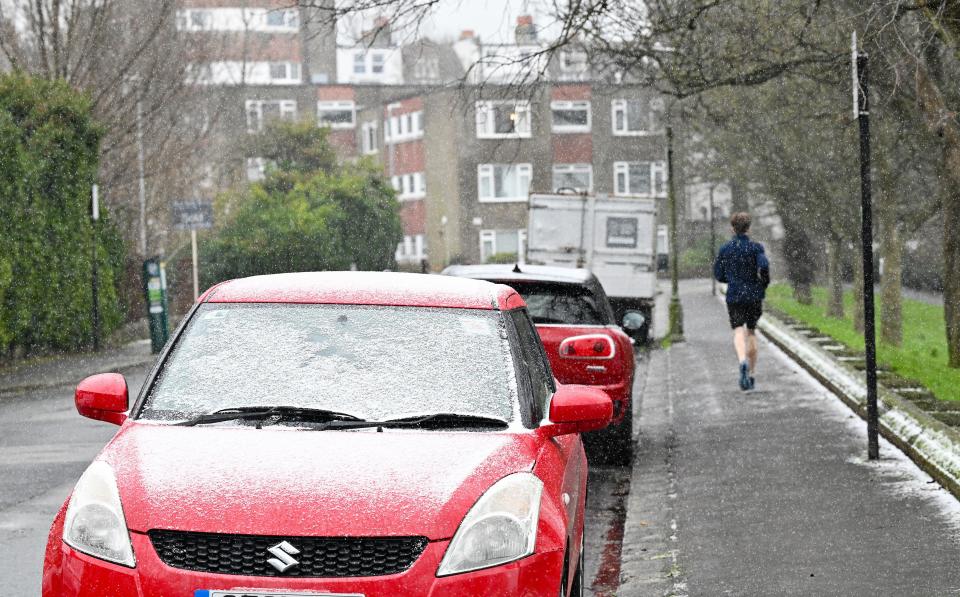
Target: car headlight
<point>501,527</point>
<point>94,523</point>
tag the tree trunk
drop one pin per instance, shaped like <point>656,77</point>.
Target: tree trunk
<point>858,316</point>
<point>891,299</point>
<point>835,277</point>
<point>951,259</point>
<point>738,197</point>
<point>933,107</point>
<point>798,254</point>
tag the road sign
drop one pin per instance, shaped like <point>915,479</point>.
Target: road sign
<point>192,215</point>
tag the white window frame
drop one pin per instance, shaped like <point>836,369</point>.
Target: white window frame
<point>256,169</point>
<point>359,62</point>
<point>412,249</point>
<point>403,127</point>
<point>488,171</point>
<point>486,122</point>
<point>571,106</point>
<point>657,179</point>
<point>290,18</point>
<point>288,111</point>
<point>573,168</point>
<point>368,137</point>
<point>412,185</point>
<point>291,72</point>
<point>620,105</point>
<point>490,235</point>
<point>574,66</point>
<point>426,68</point>
<point>337,106</point>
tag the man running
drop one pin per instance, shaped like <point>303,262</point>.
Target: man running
<point>743,266</point>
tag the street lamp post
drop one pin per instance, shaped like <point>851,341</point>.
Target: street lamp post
<point>143,187</point>
<point>676,310</point>
<point>94,278</point>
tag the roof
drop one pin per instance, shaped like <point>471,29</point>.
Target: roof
<point>366,288</point>
<point>527,273</point>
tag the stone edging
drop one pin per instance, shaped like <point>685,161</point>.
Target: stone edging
<point>934,446</point>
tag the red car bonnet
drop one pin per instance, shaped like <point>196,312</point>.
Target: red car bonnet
<point>323,483</point>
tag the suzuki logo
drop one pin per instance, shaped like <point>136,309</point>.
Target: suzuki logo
<point>283,561</point>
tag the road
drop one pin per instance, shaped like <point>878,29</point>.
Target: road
<point>45,446</point>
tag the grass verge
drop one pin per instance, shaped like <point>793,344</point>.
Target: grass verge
<point>923,355</point>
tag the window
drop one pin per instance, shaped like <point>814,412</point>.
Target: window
<point>413,249</point>
<point>503,182</point>
<point>570,117</point>
<point>336,115</point>
<point>573,176</point>
<point>410,186</point>
<point>405,127</point>
<point>256,169</point>
<point>285,72</point>
<point>505,244</point>
<point>285,19</point>
<point>535,365</point>
<point>200,19</point>
<point>368,137</point>
<point>376,62</point>
<point>359,64</point>
<point>259,112</point>
<point>639,178</point>
<point>634,117</point>
<point>622,233</point>
<point>573,62</point>
<point>503,119</point>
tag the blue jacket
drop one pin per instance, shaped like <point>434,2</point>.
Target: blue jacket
<point>744,267</point>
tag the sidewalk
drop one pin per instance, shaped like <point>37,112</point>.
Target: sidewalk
<point>69,369</point>
<point>769,492</point>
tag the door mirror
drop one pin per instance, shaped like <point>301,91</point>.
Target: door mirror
<point>578,409</point>
<point>633,321</point>
<point>103,397</point>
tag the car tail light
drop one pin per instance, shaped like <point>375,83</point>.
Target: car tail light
<point>595,346</point>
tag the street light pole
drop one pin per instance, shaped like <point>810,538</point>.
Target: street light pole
<point>861,108</point>
<point>676,310</point>
<point>713,245</point>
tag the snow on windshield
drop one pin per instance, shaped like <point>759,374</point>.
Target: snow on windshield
<point>371,362</point>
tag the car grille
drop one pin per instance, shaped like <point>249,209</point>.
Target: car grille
<point>247,555</point>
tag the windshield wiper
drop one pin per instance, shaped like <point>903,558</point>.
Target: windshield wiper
<point>265,412</point>
<point>441,420</point>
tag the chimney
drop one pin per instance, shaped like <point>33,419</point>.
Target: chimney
<point>526,33</point>
<point>467,34</point>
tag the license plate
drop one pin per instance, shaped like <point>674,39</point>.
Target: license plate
<point>266,593</point>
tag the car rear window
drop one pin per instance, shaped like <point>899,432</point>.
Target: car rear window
<point>372,362</point>
<point>569,304</point>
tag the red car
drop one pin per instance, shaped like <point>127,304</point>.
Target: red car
<point>335,434</point>
<point>585,346</point>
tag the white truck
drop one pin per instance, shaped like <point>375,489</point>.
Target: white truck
<point>615,238</point>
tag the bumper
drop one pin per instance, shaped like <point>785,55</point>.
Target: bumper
<point>79,575</point>
<point>621,395</point>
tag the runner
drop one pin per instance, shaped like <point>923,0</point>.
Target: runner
<point>743,266</point>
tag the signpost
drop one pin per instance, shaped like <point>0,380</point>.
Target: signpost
<point>155,293</point>
<point>94,281</point>
<point>861,111</point>
<point>192,215</point>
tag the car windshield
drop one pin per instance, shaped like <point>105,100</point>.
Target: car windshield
<point>561,303</point>
<point>371,362</point>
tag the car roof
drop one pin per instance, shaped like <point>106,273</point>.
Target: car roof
<point>366,288</point>
<point>522,273</point>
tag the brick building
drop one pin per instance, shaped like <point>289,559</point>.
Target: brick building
<point>461,141</point>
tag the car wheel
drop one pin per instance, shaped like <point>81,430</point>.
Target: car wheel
<point>577,589</point>
<point>619,441</point>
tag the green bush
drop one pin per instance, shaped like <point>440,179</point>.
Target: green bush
<point>502,258</point>
<point>49,149</point>
<point>308,214</point>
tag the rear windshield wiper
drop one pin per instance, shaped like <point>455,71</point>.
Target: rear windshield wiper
<point>265,412</point>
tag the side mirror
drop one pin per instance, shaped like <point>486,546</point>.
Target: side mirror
<point>633,321</point>
<point>103,397</point>
<point>578,409</point>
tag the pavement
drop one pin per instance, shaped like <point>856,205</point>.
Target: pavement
<point>68,369</point>
<point>769,492</point>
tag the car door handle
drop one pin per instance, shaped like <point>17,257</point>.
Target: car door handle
<point>597,368</point>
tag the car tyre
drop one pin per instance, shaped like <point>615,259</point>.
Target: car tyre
<point>577,588</point>
<point>613,445</point>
